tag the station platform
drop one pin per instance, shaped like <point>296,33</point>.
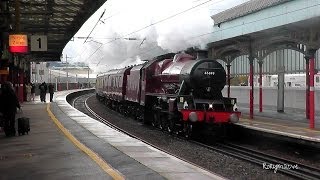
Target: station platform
<point>64,143</point>
<point>291,123</point>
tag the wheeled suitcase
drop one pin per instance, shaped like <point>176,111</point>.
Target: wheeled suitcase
<point>23,125</point>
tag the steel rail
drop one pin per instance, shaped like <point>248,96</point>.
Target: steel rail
<point>302,172</point>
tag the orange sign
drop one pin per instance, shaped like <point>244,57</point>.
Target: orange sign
<point>18,43</point>
<point>4,70</point>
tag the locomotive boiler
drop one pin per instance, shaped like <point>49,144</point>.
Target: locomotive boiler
<point>175,92</point>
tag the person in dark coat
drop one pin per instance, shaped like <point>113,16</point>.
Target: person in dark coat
<point>51,91</point>
<point>8,107</point>
<point>43,91</point>
<point>33,91</point>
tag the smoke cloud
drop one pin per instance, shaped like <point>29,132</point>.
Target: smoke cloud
<point>131,31</point>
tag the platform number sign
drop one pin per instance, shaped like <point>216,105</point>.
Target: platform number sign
<point>39,43</point>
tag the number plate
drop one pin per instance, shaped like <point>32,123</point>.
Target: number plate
<point>39,43</point>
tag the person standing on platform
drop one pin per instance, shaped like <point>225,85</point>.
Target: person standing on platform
<point>28,90</point>
<point>43,91</point>
<point>51,91</point>
<point>33,91</point>
<point>8,107</point>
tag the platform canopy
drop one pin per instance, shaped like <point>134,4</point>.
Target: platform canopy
<point>266,26</point>
<point>54,20</point>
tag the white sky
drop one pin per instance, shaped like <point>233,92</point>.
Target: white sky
<point>108,49</point>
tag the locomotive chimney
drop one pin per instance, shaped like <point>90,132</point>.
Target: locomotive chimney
<point>202,54</point>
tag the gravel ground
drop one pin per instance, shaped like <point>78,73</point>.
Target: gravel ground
<point>226,166</point>
<point>285,148</point>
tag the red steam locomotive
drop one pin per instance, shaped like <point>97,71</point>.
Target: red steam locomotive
<point>175,92</point>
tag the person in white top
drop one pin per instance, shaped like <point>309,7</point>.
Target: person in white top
<point>28,90</point>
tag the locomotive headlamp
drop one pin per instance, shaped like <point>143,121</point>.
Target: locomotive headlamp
<point>234,118</point>
<point>185,105</point>
<point>193,117</point>
<point>208,89</point>
<point>232,101</point>
<point>235,107</point>
<point>210,106</point>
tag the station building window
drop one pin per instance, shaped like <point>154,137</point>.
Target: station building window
<point>317,79</point>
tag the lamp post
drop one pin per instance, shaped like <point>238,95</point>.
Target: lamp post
<point>59,86</point>
<point>50,76</point>
<point>77,83</point>
<point>56,81</point>
<point>88,75</point>
<point>67,71</point>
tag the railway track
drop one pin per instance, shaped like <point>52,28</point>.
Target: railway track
<point>81,104</point>
<point>266,161</point>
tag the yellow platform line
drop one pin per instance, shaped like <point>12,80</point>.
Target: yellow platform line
<point>94,156</point>
<point>279,125</point>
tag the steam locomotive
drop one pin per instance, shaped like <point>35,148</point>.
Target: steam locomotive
<point>175,92</point>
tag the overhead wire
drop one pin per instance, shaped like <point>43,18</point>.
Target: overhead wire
<point>156,46</point>
<point>115,39</point>
<point>193,7</point>
<point>95,25</point>
<point>103,21</point>
<point>197,36</point>
<point>160,21</point>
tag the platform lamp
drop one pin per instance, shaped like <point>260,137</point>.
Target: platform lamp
<point>56,81</point>
<point>67,70</point>
<point>88,75</point>
<point>59,86</point>
<point>50,76</point>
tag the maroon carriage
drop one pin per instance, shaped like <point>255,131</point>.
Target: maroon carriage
<point>113,86</point>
